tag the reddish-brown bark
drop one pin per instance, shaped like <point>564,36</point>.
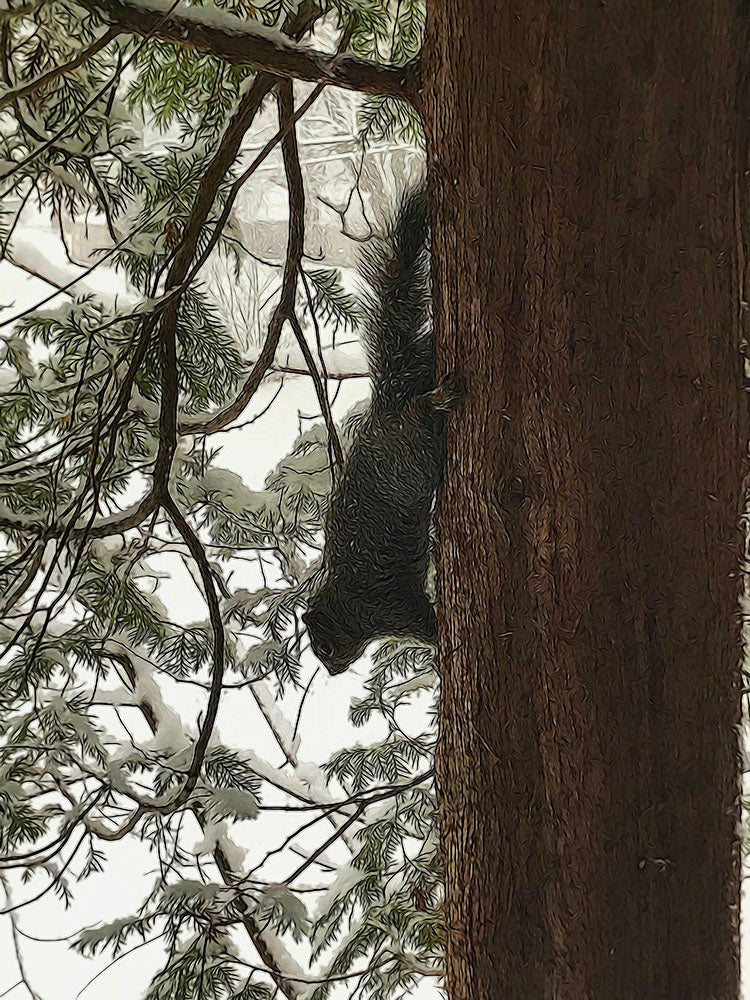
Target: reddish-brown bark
<point>583,166</point>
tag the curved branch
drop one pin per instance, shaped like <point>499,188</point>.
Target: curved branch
<point>168,417</point>
<point>295,249</point>
<point>248,42</point>
<point>219,652</point>
<point>288,118</point>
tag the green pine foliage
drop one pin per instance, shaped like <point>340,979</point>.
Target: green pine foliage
<point>382,116</point>
<point>88,653</point>
<point>331,302</point>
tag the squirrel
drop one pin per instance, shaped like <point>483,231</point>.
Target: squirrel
<point>376,551</point>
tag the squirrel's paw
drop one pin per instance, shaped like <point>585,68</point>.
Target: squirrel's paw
<point>448,393</point>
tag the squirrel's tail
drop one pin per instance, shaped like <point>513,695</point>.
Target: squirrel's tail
<point>399,339</point>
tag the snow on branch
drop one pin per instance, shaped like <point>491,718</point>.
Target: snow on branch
<point>37,250</point>
<point>227,37</point>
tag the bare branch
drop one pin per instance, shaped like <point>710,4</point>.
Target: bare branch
<point>336,835</point>
<point>334,376</point>
<point>248,42</point>
<point>321,393</point>
<point>217,626</point>
<point>295,248</point>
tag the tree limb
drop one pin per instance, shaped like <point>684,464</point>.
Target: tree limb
<point>295,251</point>
<point>248,42</point>
<point>219,651</point>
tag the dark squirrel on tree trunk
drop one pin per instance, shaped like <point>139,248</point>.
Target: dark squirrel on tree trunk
<point>377,528</point>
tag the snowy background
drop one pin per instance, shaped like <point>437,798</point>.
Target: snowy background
<point>346,195</point>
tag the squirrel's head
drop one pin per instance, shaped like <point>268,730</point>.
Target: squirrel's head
<point>336,637</point>
<point>342,623</point>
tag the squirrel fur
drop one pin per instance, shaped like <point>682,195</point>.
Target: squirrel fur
<point>377,527</point>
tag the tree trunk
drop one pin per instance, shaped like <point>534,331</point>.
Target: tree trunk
<point>587,265</point>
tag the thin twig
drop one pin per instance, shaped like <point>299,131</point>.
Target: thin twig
<point>320,392</point>
<point>17,945</point>
<point>294,254</point>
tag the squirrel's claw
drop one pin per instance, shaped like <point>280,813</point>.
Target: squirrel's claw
<point>448,393</point>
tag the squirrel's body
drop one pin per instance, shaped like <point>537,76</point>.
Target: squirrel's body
<point>377,529</point>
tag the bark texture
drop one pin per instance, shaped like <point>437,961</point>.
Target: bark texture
<point>587,266</point>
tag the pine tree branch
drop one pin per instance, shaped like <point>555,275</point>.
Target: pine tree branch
<point>28,269</point>
<point>251,43</point>
<point>41,81</point>
<point>168,430</point>
<point>181,273</point>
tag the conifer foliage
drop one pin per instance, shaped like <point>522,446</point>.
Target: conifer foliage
<point>108,461</point>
